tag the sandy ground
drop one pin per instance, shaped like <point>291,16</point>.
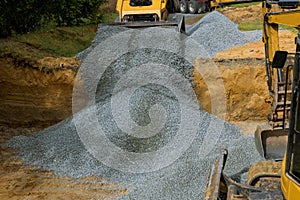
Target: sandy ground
<point>246,14</point>
<point>256,49</point>
<point>18,181</point>
<point>40,95</point>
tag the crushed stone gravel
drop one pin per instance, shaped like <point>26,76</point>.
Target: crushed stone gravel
<point>59,148</point>
<point>216,32</point>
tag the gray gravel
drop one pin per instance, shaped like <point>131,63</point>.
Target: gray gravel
<point>119,62</point>
<point>215,32</point>
<point>60,149</point>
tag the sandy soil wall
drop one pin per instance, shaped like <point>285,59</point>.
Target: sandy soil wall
<point>42,96</point>
<point>244,82</point>
<point>39,95</point>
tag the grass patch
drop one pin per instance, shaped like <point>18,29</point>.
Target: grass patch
<point>109,18</point>
<point>243,5</point>
<point>257,25</point>
<point>55,42</point>
<point>292,29</point>
<point>51,41</point>
<point>192,20</point>
<point>250,26</point>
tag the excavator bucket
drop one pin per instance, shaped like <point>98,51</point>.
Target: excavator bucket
<point>271,143</point>
<point>176,20</point>
<point>215,184</point>
<point>220,186</point>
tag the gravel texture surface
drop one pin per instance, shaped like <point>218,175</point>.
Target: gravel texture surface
<point>59,148</point>
<point>142,126</point>
<point>215,32</point>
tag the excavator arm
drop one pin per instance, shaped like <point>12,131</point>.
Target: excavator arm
<point>276,80</point>
<point>272,178</point>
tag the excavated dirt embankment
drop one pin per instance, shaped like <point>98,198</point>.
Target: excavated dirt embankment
<point>245,87</point>
<point>36,94</point>
<point>41,96</point>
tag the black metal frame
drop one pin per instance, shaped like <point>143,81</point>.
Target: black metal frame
<point>295,96</point>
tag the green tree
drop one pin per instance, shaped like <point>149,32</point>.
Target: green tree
<point>27,15</point>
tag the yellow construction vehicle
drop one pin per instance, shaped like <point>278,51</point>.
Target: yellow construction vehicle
<point>145,13</point>
<point>279,176</point>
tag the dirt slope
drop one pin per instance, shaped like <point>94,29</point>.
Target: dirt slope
<point>36,94</point>
<point>245,87</point>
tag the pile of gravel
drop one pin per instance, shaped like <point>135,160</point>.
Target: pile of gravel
<point>139,82</point>
<point>215,32</point>
<point>59,148</point>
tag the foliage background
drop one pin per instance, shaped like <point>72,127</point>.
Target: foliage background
<point>21,17</point>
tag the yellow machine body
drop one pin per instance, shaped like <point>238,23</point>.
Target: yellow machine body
<point>289,187</point>
<point>126,8</point>
<point>279,176</point>
<point>272,20</point>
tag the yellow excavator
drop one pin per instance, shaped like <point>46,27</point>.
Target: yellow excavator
<point>278,177</point>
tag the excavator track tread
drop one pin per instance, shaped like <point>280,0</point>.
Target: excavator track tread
<point>263,169</point>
